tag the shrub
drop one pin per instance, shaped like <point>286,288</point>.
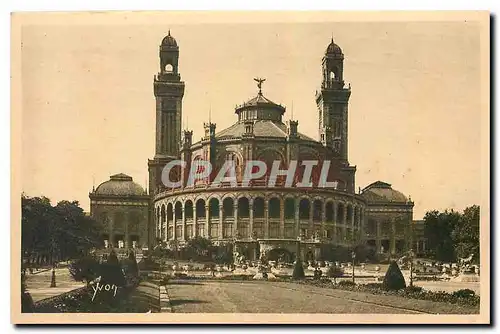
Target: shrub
<point>413,289</point>
<point>464,293</point>
<point>133,268</point>
<point>393,279</point>
<point>27,304</point>
<point>298,270</point>
<point>85,269</point>
<point>347,283</point>
<point>111,272</point>
<point>334,271</point>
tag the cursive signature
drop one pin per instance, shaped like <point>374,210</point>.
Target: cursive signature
<point>106,287</point>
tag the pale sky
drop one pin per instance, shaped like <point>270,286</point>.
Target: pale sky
<point>88,108</point>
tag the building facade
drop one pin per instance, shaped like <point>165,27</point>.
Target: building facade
<point>265,216</point>
<point>122,206</point>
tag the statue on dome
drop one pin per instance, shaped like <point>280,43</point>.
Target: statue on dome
<point>259,84</point>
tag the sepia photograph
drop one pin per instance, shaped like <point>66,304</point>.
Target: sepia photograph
<point>250,167</point>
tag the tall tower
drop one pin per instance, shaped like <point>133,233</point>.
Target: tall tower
<point>333,102</point>
<point>168,90</point>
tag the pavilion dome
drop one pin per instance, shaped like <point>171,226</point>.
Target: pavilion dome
<point>120,185</point>
<point>382,192</point>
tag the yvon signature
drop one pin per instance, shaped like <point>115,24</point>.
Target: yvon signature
<point>107,287</point>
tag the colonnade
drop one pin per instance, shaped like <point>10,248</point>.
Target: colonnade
<point>263,216</point>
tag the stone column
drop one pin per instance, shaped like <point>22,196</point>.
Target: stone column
<point>282,218</point>
<point>195,222</point>
<point>111,235</point>
<point>266,218</point>
<point>392,239</point>
<point>174,223</point>
<point>297,221</point>
<point>344,221</point>
<point>335,236</point>
<point>311,223</point>
<point>323,218</point>
<point>127,236</point>
<point>183,233</point>
<point>353,216</point>
<point>250,216</point>
<point>221,225</point>
<point>377,238</point>
<point>207,221</point>
<point>235,214</point>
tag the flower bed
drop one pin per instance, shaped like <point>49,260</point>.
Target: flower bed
<point>462,297</point>
<point>86,300</point>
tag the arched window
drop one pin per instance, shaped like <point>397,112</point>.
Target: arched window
<point>317,210</point>
<point>200,209</point>
<point>274,208</point>
<point>258,207</point>
<point>169,68</point>
<point>289,208</point>
<point>350,212</point>
<point>170,212</point>
<point>188,209</point>
<point>340,214</point>
<point>243,207</point>
<point>304,208</point>
<point>178,211</point>
<point>214,208</point>
<point>228,207</point>
<point>329,212</point>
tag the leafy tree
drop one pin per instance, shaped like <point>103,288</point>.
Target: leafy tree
<point>55,233</point>
<point>465,235</point>
<point>393,279</point>
<point>111,271</point>
<point>438,229</point>
<point>27,305</point>
<point>85,269</point>
<point>199,247</point>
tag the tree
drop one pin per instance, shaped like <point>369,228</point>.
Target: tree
<point>394,279</point>
<point>465,235</point>
<point>133,268</point>
<point>437,230</point>
<point>55,233</point>
<point>85,269</point>
<point>334,272</point>
<point>199,247</point>
<point>111,271</point>
<point>298,270</point>
<point>27,305</point>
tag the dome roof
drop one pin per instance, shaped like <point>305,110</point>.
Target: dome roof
<point>333,48</point>
<point>261,129</point>
<point>169,41</point>
<point>120,185</point>
<point>382,192</point>
<point>260,101</point>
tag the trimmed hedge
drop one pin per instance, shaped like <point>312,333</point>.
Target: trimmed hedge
<point>394,279</point>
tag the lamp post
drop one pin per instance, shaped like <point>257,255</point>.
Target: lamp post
<point>353,256</point>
